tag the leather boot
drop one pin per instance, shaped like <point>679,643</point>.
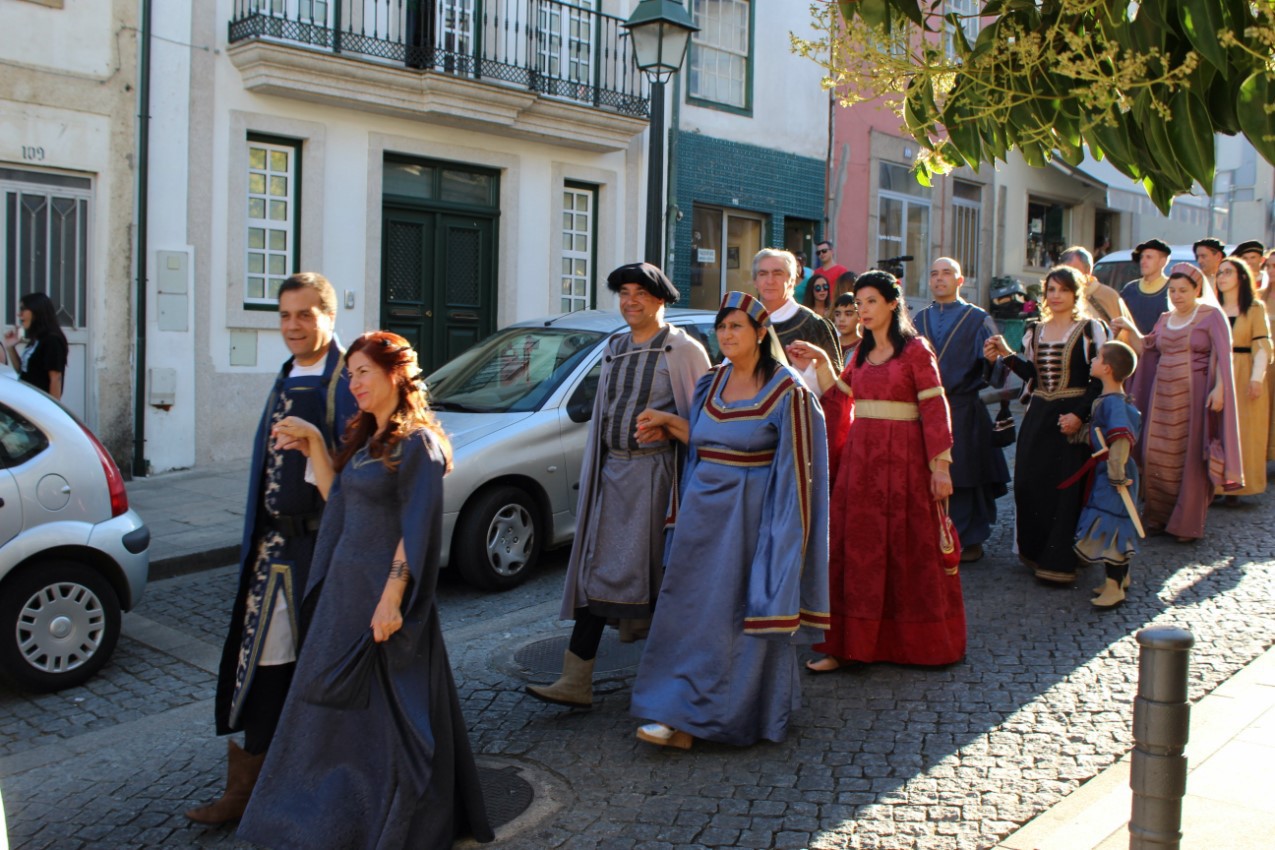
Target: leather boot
<point>242,770</point>
<point>1124,584</point>
<point>1112,595</point>
<point>574,687</point>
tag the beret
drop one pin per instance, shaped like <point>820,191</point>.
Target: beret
<point>647,276</point>
<point>1153,244</point>
<point>1250,245</point>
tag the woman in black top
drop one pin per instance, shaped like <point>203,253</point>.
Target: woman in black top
<point>42,362</point>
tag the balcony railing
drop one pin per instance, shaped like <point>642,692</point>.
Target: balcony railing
<point>557,49</point>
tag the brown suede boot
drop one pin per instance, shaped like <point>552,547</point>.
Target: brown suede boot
<point>241,775</point>
<point>1112,595</point>
<point>574,687</point>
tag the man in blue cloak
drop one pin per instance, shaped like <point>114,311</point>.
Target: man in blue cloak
<point>957,330</point>
<point>280,527</point>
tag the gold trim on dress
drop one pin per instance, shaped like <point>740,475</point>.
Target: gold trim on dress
<point>930,393</point>
<point>899,411</point>
<point>736,457</point>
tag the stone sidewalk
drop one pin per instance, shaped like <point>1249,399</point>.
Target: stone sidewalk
<point>195,516</point>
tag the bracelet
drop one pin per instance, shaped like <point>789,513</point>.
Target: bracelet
<point>399,570</point>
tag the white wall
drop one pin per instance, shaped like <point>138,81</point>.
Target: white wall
<point>167,428</point>
<point>789,105</point>
<point>80,38</point>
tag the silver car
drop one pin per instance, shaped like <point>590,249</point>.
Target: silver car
<point>72,553</point>
<point>517,407</point>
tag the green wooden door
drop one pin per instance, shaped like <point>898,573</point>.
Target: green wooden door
<point>437,280</point>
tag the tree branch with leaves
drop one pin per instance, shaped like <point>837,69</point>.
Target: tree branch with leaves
<point>1145,86</point>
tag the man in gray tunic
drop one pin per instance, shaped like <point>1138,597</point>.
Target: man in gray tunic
<point>625,488</point>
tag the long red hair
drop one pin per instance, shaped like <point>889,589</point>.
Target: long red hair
<point>395,356</point>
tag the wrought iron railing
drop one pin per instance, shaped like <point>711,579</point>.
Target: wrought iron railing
<point>557,49</point>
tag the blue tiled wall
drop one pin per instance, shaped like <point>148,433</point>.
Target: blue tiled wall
<point>740,176</point>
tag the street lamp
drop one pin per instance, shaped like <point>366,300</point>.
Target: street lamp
<point>661,31</point>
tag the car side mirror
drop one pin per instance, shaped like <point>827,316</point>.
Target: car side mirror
<point>580,405</point>
<point>580,408</point>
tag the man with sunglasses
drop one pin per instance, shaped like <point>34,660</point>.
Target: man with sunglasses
<point>828,267</point>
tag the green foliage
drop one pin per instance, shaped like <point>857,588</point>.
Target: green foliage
<point>1146,85</point>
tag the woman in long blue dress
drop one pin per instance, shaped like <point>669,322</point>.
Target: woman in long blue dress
<point>396,771</point>
<point>746,571</point>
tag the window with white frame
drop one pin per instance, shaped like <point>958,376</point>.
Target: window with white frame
<point>903,225</point>
<point>718,64</point>
<point>968,11</point>
<point>272,220</point>
<point>579,226</point>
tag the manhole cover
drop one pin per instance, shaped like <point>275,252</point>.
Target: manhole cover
<point>545,656</point>
<point>506,793</point>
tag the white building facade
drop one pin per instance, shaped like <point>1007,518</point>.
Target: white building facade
<point>450,166</point>
<point>68,109</point>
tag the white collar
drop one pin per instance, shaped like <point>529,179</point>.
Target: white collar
<point>785,312</point>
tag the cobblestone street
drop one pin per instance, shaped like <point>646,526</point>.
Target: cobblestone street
<point>888,757</point>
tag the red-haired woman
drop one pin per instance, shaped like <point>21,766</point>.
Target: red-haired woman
<point>398,772</point>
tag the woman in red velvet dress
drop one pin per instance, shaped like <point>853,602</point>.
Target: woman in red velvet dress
<point>889,449</point>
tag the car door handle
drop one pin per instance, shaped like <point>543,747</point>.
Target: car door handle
<point>66,488</point>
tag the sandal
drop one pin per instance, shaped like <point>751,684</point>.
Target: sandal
<point>664,736</point>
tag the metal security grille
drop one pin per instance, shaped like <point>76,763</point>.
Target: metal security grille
<point>403,266</point>
<point>46,241</point>
<point>463,272</point>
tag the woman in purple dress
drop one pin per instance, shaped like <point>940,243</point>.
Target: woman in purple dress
<point>1186,394</point>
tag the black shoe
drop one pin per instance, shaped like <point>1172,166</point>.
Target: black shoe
<point>972,553</point>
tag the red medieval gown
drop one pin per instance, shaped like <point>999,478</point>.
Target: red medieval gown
<point>892,598</point>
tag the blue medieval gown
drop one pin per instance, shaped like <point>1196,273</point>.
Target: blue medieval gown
<point>399,772</point>
<point>746,571</point>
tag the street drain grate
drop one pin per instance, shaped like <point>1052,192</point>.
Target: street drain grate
<point>505,792</point>
<point>545,656</point>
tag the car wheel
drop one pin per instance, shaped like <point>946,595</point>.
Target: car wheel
<point>59,623</point>
<point>497,541</point>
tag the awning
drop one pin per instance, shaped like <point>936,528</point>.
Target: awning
<point>1123,194</point>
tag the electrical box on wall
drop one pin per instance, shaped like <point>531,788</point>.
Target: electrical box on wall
<point>163,388</point>
<point>172,287</point>
<point>243,348</point>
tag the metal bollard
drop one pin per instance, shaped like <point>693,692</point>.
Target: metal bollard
<point>1161,723</point>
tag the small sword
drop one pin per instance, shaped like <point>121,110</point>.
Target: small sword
<point>1123,490</point>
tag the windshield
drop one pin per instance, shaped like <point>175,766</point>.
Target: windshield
<point>1117,273</point>
<point>515,370</point>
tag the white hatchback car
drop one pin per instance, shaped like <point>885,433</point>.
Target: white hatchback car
<point>72,553</point>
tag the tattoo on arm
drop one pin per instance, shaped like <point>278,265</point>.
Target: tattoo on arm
<point>399,570</point>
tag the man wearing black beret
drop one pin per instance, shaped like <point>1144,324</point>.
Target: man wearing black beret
<point>1252,252</point>
<point>1209,253</point>
<point>1148,296</point>
<point>616,562</point>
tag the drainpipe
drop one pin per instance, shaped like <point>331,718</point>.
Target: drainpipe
<point>143,190</point>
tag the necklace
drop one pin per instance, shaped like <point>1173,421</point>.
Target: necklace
<point>880,362</point>
<point>1183,322</point>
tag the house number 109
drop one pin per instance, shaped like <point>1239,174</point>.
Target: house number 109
<point>31,153</point>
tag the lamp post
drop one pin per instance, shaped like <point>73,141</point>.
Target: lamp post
<point>661,31</point>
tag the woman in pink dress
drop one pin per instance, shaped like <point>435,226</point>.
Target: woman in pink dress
<point>1186,393</point>
<point>889,450</point>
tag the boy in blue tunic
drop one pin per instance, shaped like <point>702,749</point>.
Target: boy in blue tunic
<point>1106,533</point>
